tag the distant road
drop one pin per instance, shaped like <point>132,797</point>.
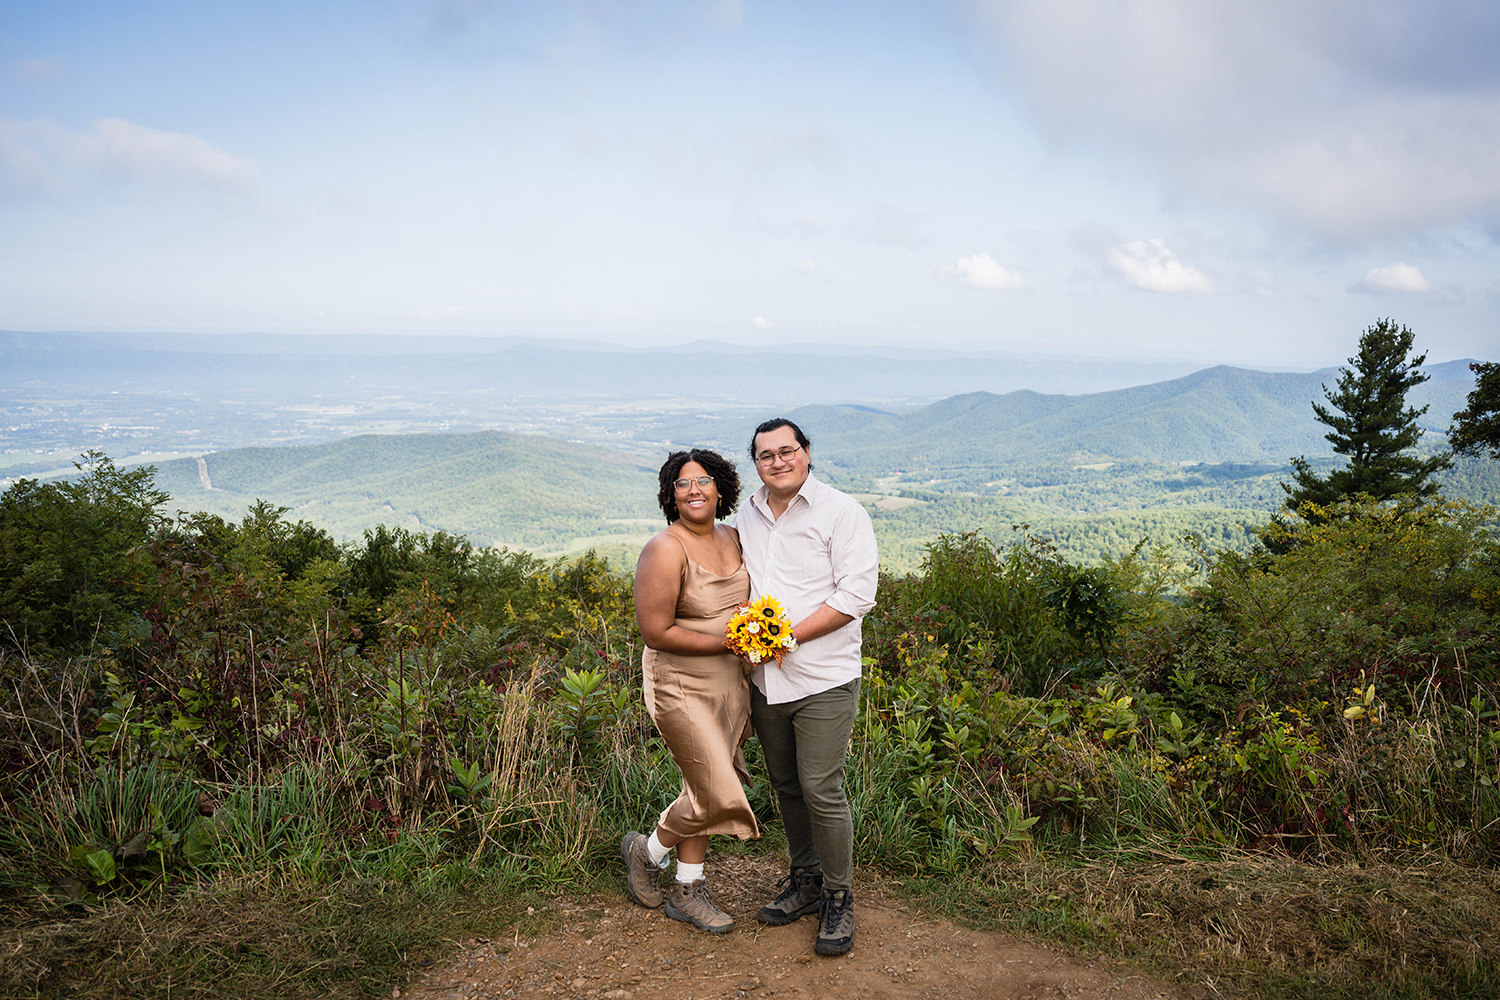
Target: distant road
<point>203,475</point>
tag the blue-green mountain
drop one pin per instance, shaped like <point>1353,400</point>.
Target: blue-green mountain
<point>1099,471</point>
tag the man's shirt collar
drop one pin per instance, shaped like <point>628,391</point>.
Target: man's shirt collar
<point>761,498</point>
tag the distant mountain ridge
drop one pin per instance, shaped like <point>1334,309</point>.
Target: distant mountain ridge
<point>1219,414</point>
<point>546,494</point>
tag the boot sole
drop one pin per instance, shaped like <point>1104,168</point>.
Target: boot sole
<point>778,919</point>
<point>677,914</point>
<point>824,947</point>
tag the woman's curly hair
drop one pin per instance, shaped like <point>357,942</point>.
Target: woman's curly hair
<point>725,478</point>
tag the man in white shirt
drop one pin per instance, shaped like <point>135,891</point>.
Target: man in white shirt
<point>813,549</point>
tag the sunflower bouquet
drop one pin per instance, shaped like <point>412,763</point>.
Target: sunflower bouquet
<point>760,631</point>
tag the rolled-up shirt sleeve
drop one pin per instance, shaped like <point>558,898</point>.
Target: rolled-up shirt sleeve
<point>856,563</point>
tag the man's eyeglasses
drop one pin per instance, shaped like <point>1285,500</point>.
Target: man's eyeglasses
<point>683,485</point>
<point>769,457</point>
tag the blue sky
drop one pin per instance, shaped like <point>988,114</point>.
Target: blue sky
<point>1180,178</point>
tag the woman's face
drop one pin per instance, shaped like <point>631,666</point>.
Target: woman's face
<point>697,503</point>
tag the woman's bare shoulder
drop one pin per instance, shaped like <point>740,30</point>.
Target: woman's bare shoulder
<point>663,549</point>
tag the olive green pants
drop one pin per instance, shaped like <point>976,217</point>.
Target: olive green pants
<point>805,742</point>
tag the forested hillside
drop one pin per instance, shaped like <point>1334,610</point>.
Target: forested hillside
<point>904,534</point>
<point>517,490</point>
<point>1213,416</point>
<point>1096,473</point>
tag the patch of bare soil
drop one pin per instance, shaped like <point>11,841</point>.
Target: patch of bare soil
<point>607,947</point>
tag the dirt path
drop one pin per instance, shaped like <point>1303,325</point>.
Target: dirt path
<point>606,947</point>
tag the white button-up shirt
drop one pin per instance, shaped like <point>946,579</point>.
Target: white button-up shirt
<point>820,551</point>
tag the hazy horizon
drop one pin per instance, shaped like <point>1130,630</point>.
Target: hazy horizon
<point>259,341</point>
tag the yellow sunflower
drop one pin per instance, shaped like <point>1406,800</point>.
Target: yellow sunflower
<point>760,631</point>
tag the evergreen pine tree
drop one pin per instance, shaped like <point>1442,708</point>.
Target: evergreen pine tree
<point>1477,428</point>
<point>1370,422</point>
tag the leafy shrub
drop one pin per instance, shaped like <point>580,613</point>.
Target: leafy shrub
<point>1393,591</point>
<point>64,577</point>
<point>414,701</point>
<point>986,599</point>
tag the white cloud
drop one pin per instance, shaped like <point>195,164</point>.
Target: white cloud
<point>1152,266</point>
<point>980,270</point>
<point>763,323</point>
<point>810,269</point>
<point>1353,118</point>
<point>44,155</point>
<point>145,152</point>
<point>1393,278</point>
<point>808,227</point>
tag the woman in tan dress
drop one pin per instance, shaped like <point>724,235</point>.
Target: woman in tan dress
<point>689,581</point>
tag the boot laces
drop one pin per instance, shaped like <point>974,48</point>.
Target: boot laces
<point>833,910</point>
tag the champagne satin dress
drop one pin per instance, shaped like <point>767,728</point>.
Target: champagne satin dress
<point>701,707</point>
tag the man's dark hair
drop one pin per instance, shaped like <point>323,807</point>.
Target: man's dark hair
<point>722,469</point>
<point>775,423</point>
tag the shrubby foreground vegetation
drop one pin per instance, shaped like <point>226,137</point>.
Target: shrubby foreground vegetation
<point>244,756</point>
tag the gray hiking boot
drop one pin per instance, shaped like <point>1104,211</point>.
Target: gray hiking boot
<point>801,894</point>
<point>640,873</point>
<point>693,903</point>
<point>836,922</point>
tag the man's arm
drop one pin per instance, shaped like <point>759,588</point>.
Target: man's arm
<point>856,565</point>
<point>822,621</point>
<point>856,573</point>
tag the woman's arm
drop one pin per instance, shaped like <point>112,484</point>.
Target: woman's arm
<point>658,581</point>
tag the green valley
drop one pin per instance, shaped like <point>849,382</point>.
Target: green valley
<point>1097,474</point>
<point>523,491</point>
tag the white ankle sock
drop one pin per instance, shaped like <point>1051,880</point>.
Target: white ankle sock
<point>657,851</point>
<point>689,873</point>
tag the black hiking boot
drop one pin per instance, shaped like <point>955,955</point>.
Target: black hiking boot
<point>836,922</point>
<point>801,894</point>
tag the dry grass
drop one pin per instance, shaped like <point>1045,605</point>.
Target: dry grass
<point>1258,925</point>
<point>352,940</point>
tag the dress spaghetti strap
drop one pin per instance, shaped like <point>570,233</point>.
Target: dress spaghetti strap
<point>704,569</point>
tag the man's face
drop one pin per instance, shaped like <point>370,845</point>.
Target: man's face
<point>781,462</point>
